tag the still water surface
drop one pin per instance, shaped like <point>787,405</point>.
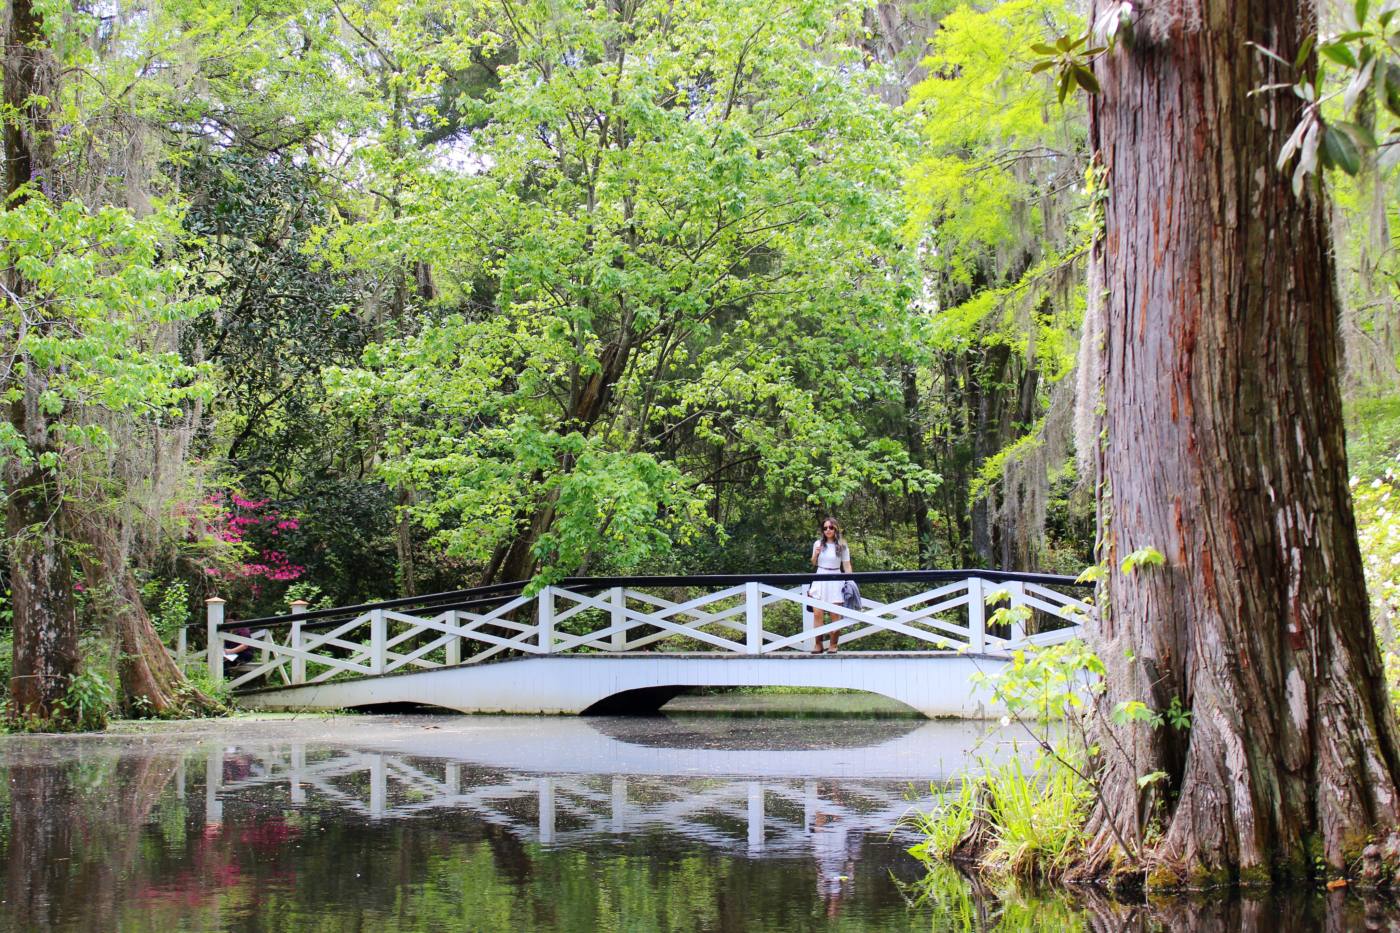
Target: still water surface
<point>520,823</point>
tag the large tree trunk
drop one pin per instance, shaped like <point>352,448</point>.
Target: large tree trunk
<point>151,684</point>
<point>41,593</point>
<point>41,579</point>
<point>1224,451</point>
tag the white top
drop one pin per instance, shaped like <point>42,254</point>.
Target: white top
<point>831,556</point>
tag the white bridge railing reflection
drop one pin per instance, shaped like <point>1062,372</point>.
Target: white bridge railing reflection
<point>767,815</point>
<point>921,611</point>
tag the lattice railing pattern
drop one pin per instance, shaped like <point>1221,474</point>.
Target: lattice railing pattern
<point>752,617</point>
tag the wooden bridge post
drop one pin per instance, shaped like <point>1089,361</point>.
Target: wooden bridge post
<point>298,664</point>
<point>181,649</point>
<point>214,610</point>
<point>619,617</point>
<point>1017,589</point>
<point>807,619</point>
<point>546,608</point>
<point>452,651</point>
<point>976,616</point>
<point>753,619</point>
<point>378,641</point>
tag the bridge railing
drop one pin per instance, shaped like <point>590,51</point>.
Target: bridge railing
<point>751,615</point>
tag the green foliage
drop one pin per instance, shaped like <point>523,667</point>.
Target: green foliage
<point>198,678</point>
<point>1071,59</point>
<point>1046,684</point>
<point>89,700</point>
<point>1373,437</point>
<point>1353,80</point>
<point>173,611</point>
<point>1377,505</point>
<point>944,824</point>
<point>1015,822</point>
<point>626,331</point>
<point>311,593</point>
<point>994,202</point>
<point>1143,557</point>
<point>97,290</point>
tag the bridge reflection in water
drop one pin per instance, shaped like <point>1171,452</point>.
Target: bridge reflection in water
<point>570,782</point>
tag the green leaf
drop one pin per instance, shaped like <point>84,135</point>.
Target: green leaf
<point>1339,150</point>
<point>1360,135</point>
<point>1086,79</point>
<point>1091,574</point>
<point>1339,53</point>
<point>1143,557</point>
<point>1304,51</point>
<point>1391,97</point>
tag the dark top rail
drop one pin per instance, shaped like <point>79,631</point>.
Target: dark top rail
<point>477,596</point>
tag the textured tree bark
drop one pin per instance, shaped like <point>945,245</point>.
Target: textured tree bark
<point>151,684</point>
<point>41,579</point>
<point>1224,450</point>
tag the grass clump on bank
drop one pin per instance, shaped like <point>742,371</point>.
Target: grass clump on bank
<point>1019,820</point>
<point>1009,820</point>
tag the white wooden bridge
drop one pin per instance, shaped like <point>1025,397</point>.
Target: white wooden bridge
<point>611,645</point>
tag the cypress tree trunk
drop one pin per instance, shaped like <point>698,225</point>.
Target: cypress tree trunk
<point>151,684</point>
<point>1223,449</point>
<point>41,579</point>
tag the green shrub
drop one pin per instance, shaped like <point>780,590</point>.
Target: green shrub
<point>89,700</point>
<point>217,690</point>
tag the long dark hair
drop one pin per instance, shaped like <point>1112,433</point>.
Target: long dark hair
<point>842,551</point>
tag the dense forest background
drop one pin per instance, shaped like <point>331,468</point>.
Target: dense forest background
<point>349,300</point>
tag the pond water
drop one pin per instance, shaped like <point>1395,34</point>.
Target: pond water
<point>521,823</point>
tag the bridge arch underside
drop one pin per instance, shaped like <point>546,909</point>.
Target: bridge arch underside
<point>938,685</point>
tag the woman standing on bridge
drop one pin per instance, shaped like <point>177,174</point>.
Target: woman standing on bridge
<point>829,555</point>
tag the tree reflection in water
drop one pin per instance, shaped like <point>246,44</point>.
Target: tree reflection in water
<point>153,834</point>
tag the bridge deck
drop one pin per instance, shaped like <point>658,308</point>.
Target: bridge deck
<point>937,684</point>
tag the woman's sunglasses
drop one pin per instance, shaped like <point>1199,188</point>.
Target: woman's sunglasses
<point>828,528</point>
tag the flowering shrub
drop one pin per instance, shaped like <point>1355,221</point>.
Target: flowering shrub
<point>250,528</point>
<point>1378,530</point>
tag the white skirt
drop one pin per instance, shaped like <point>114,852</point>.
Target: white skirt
<point>828,590</point>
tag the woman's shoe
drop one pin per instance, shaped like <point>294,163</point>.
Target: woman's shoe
<point>831,650</point>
